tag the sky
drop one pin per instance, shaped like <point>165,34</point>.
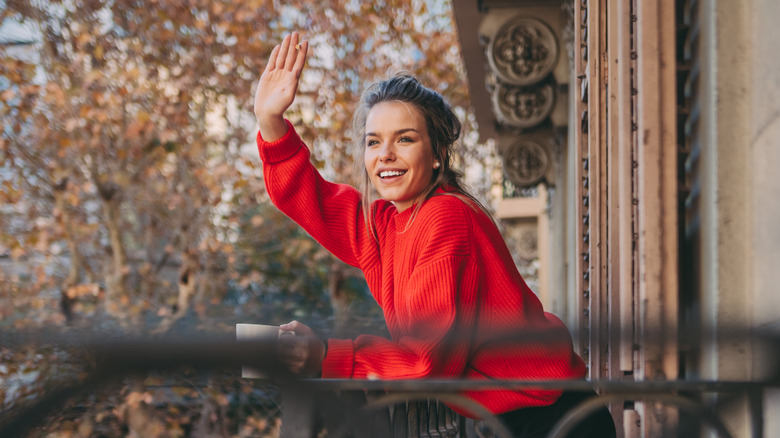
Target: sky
<point>13,32</point>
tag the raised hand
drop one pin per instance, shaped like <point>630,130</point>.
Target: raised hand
<point>278,85</point>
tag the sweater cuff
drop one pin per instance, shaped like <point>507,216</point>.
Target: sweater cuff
<point>340,360</point>
<point>281,149</point>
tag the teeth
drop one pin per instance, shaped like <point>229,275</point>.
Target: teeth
<point>387,173</point>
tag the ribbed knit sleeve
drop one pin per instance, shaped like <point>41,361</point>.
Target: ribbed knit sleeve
<point>330,213</point>
<point>434,300</point>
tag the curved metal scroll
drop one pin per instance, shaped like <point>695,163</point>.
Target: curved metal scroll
<point>566,424</point>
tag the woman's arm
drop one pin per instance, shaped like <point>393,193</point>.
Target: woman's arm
<point>330,213</point>
<point>437,343</point>
<point>434,306</point>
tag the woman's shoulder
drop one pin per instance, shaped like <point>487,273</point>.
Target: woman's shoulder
<point>450,211</point>
<point>458,214</point>
<point>444,227</point>
<point>452,203</point>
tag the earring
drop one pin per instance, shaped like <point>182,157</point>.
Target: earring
<point>436,165</point>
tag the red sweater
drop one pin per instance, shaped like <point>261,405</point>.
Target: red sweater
<point>446,282</point>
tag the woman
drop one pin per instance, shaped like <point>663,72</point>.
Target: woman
<point>433,258</point>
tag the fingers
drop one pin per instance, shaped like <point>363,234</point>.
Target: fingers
<point>288,338</point>
<point>300,348</point>
<point>290,326</point>
<point>292,52</point>
<point>293,351</point>
<point>272,59</point>
<point>281,57</point>
<point>290,55</point>
<point>298,328</point>
<point>300,60</point>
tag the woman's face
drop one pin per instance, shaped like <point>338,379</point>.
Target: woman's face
<point>398,154</point>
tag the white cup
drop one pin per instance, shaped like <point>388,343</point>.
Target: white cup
<point>257,332</point>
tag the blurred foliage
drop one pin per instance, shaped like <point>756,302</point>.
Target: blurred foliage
<point>131,196</point>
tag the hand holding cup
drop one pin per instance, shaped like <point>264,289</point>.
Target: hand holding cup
<point>301,349</point>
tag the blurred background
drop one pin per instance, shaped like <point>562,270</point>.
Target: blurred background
<point>131,194</point>
<point>628,148</point>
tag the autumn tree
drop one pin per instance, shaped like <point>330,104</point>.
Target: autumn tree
<point>122,140</point>
<point>129,184</point>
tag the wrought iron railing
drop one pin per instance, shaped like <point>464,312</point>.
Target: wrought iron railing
<point>401,408</point>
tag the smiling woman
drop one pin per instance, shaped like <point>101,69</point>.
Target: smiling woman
<point>416,116</point>
<point>432,256</point>
<point>398,155</point>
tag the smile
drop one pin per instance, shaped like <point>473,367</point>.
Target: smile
<point>391,173</point>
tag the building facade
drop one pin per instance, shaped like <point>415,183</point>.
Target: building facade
<point>654,129</point>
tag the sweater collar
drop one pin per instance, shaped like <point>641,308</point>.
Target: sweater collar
<point>402,218</point>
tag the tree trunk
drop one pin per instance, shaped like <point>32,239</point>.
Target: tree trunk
<point>188,281</point>
<point>76,260</point>
<point>110,194</point>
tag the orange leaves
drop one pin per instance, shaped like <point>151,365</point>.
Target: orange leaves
<point>257,220</point>
<point>135,398</point>
<point>201,24</point>
<point>94,77</point>
<point>7,94</point>
<point>135,130</point>
<point>129,108</point>
<point>82,290</point>
<point>71,124</point>
<point>83,39</point>
<point>98,52</point>
<point>9,194</point>
<point>252,426</point>
<point>221,399</point>
<point>140,126</point>
<point>213,245</point>
<point>54,94</point>
<point>17,252</point>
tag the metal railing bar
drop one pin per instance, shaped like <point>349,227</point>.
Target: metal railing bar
<point>459,401</point>
<point>117,357</point>
<point>601,386</point>
<point>575,415</point>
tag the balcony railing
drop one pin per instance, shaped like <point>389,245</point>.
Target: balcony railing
<point>401,408</point>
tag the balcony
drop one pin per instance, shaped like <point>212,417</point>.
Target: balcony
<point>402,408</point>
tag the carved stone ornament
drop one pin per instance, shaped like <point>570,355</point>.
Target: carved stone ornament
<point>528,244</point>
<point>523,107</point>
<point>523,51</point>
<point>524,240</point>
<point>526,163</point>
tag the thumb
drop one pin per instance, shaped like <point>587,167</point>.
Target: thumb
<point>290,326</point>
